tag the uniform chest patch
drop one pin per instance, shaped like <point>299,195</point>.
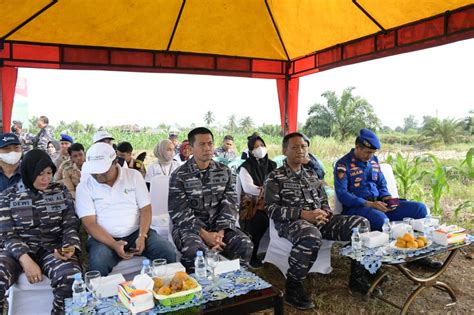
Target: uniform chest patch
<point>291,186</point>
<point>21,204</point>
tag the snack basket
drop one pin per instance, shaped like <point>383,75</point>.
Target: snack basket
<point>178,297</point>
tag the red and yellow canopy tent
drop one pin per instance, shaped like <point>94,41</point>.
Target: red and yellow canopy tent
<point>274,39</point>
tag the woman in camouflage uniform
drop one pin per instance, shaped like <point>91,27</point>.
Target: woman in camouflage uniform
<point>39,230</point>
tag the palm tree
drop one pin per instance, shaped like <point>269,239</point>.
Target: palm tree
<point>340,117</point>
<point>209,118</point>
<point>444,131</point>
<point>232,123</point>
<point>246,123</point>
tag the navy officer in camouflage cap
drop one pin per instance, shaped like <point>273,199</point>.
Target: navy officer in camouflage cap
<point>202,203</point>
<point>362,189</point>
<point>39,230</point>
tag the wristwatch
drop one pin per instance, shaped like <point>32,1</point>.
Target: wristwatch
<point>144,235</point>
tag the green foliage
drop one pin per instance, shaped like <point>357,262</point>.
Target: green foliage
<point>467,162</point>
<point>271,130</point>
<point>407,174</point>
<point>246,124</point>
<point>32,122</point>
<point>410,123</point>
<point>439,183</point>
<point>444,131</point>
<point>232,123</point>
<point>209,118</point>
<point>465,205</point>
<point>340,117</point>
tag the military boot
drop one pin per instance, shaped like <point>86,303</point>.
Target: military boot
<point>296,295</point>
<point>360,280</point>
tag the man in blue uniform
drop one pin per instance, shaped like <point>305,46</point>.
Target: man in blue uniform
<point>361,188</point>
<point>10,155</point>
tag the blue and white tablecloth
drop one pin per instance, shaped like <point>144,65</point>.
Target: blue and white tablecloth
<point>372,258</point>
<point>226,285</point>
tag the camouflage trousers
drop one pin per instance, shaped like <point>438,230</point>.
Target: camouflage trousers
<point>60,272</point>
<point>307,238</point>
<point>238,245</point>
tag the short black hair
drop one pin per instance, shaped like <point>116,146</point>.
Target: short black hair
<point>289,136</point>
<point>125,147</point>
<point>76,147</point>
<point>44,119</point>
<point>228,137</point>
<point>198,131</point>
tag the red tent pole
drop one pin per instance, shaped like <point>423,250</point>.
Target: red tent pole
<point>8,76</point>
<point>288,99</point>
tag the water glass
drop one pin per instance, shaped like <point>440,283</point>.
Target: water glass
<point>212,258</point>
<point>159,267</point>
<point>408,222</point>
<point>92,279</point>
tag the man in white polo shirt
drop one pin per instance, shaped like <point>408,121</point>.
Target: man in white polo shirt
<point>114,206</point>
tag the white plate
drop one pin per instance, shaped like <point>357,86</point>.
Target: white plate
<point>392,245</point>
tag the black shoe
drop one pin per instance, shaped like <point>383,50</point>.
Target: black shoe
<point>296,295</point>
<point>428,263</point>
<point>255,263</point>
<point>360,280</point>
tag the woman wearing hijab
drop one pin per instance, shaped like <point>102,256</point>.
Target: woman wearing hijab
<point>184,152</point>
<point>165,165</point>
<point>252,174</point>
<point>39,230</point>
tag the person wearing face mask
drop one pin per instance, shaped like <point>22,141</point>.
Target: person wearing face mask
<point>252,175</point>
<point>10,155</point>
<point>166,164</point>
<point>39,230</point>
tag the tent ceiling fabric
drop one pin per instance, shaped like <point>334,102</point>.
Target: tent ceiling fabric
<point>272,29</point>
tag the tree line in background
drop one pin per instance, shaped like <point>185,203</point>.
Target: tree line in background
<point>340,117</point>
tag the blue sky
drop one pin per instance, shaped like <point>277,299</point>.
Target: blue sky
<point>436,81</point>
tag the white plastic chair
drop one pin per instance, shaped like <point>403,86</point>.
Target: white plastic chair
<point>159,190</point>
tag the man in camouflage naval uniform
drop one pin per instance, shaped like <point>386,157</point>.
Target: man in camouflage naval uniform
<point>45,135</point>
<point>37,221</point>
<point>296,201</point>
<point>202,204</point>
<point>25,138</point>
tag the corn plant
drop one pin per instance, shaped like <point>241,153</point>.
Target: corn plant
<point>468,162</point>
<point>407,174</point>
<point>465,205</point>
<point>439,184</point>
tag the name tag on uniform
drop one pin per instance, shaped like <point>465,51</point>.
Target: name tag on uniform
<point>219,177</point>
<point>54,198</point>
<point>192,183</point>
<point>291,186</point>
<point>21,204</point>
<point>55,203</point>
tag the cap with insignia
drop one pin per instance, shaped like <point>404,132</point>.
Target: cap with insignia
<point>369,139</point>
<point>7,139</point>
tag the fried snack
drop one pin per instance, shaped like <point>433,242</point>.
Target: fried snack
<point>420,243</point>
<point>412,244</point>
<point>164,290</point>
<point>400,243</point>
<point>189,284</point>
<point>408,237</point>
<point>157,284</point>
<point>425,240</point>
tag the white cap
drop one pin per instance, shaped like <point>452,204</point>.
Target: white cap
<point>99,158</point>
<point>101,135</point>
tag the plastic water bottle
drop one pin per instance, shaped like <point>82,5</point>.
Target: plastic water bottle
<point>146,268</point>
<point>79,292</point>
<point>356,241</point>
<point>427,226</point>
<point>200,265</point>
<point>386,227</point>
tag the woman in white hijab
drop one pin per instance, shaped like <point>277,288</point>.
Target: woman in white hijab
<point>165,165</point>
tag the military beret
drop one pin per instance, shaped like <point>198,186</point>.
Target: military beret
<point>369,139</point>
<point>65,137</point>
